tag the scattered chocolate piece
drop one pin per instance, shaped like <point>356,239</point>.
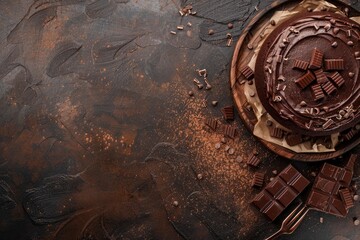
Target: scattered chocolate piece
<point>277,133</point>
<point>333,21</point>
<point>214,103</point>
<point>346,10</point>
<point>200,176</point>
<point>356,197</point>
<point>274,172</point>
<point>346,198</point>
<point>321,220</point>
<point>258,180</point>
<point>351,74</point>
<point>305,80</point>
<point>175,203</point>
<point>228,35</point>
<point>202,72</point>
<point>180,27</point>
<point>212,123</point>
<point>228,112</point>
<point>247,72</point>
<point>253,161</point>
<point>208,86</point>
<point>350,43</point>
<point>191,93</point>
<point>293,139</point>
<point>320,76</point>
<point>316,59</point>
<point>336,30</point>
<point>324,193</point>
<point>280,192</point>
<point>272,22</point>
<point>229,42</point>
<point>317,92</point>
<point>230,25</point>
<point>211,32</point>
<point>230,131</point>
<point>217,145</point>
<point>338,79</point>
<point>357,54</point>
<point>334,64</point>
<point>299,64</point>
<point>328,87</point>
<point>334,44</point>
<point>250,46</point>
<point>189,24</point>
<point>239,159</point>
<point>173,32</point>
<point>348,33</point>
<point>231,151</point>
<point>356,222</point>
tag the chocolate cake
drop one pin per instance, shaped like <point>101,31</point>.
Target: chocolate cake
<point>307,74</point>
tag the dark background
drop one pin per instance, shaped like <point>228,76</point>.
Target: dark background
<point>99,137</point>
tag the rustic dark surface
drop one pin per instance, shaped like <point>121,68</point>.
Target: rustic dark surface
<point>99,137</point>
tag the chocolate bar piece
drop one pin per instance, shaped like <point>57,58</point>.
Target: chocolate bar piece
<point>305,80</point>
<point>338,79</point>
<point>316,59</point>
<point>277,133</point>
<point>320,76</point>
<point>258,180</point>
<point>293,139</point>
<point>328,87</point>
<point>253,161</point>
<point>351,134</point>
<point>299,64</point>
<point>228,112</point>
<point>280,192</point>
<point>247,72</point>
<point>230,131</point>
<point>212,123</point>
<point>347,198</point>
<point>317,92</point>
<point>334,64</point>
<point>324,195</point>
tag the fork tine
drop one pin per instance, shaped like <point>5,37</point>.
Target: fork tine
<point>289,217</point>
<point>298,214</point>
<point>297,223</point>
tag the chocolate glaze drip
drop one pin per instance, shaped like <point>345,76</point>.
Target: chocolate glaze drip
<point>296,39</point>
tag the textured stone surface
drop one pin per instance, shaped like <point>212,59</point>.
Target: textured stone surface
<point>99,138</point>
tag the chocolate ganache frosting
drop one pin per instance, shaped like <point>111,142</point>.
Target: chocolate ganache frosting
<point>307,73</point>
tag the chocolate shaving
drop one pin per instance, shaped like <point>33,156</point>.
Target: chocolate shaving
<point>305,80</point>
<point>228,112</point>
<point>247,72</point>
<point>212,123</point>
<point>230,131</point>
<point>253,161</point>
<point>338,79</point>
<point>316,59</point>
<point>320,76</point>
<point>334,64</point>
<point>328,87</point>
<point>293,139</point>
<point>317,92</point>
<point>258,180</point>
<point>299,64</point>
<point>277,133</point>
<point>346,197</point>
<point>328,123</point>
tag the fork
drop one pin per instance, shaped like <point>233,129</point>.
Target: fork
<point>291,222</point>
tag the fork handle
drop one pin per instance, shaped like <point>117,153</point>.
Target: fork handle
<point>275,235</point>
